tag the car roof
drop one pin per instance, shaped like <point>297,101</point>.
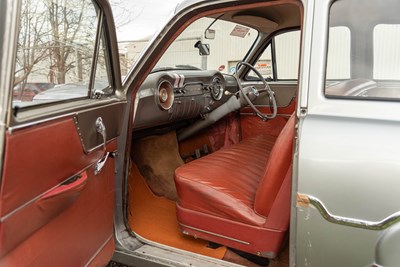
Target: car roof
<point>263,18</point>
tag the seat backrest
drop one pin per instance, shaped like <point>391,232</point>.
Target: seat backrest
<point>277,166</point>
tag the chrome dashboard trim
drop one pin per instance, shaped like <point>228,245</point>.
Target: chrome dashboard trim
<point>351,222</point>
<point>182,80</point>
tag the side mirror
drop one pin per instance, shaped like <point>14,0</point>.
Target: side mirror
<point>204,49</point>
<point>209,34</point>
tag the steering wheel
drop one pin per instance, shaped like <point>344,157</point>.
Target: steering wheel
<point>256,92</point>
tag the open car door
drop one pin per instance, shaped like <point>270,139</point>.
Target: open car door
<point>59,146</point>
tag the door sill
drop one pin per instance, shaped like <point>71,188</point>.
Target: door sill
<point>148,255</point>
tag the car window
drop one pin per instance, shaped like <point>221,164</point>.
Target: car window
<point>286,57</point>
<point>338,66</point>
<point>221,50</point>
<point>386,43</point>
<point>136,23</point>
<point>287,49</point>
<point>56,47</point>
<point>102,80</point>
<point>363,61</point>
<point>263,66</point>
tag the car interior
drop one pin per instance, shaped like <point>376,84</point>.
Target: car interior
<point>212,150</point>
<point>206,122</point>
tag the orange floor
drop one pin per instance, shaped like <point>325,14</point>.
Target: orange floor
<point>154,218</point>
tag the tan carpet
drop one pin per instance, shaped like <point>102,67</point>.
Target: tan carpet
<point>154,218</point>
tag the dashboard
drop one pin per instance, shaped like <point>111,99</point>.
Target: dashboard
<point>166,97</point>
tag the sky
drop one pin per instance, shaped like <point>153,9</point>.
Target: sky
<point>138,19</point>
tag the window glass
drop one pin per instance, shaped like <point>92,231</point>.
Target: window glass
<point>136,22</point>
<point>263,66</point>
<point>386,52</point>
<point>287,49</point>
<point>363,59</point>
<point>287,53</point>
<point>55,50</point>
<point>102,81</point>
<point>338,66</point>
<point>229,45</point>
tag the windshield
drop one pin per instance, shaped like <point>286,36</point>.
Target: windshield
<point>227,44</point>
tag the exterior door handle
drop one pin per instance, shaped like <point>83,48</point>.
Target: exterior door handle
<point>101,129</point>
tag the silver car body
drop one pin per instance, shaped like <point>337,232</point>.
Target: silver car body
<point>345,189</point>
<point>348,163</point>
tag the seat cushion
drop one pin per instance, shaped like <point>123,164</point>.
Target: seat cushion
<point>228,179</point>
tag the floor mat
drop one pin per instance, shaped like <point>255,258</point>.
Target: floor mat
<point>156,219</point>
<point>157,157</point>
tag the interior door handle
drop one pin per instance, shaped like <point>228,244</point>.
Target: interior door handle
<point>101,129</point>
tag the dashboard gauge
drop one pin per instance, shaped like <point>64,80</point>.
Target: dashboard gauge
<point>165,95</point>
<point>217,88</point>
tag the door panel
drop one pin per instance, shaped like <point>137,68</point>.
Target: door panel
<point>15,229</point>
<point>35,152</point>
<point>252,125</point>
<point>73,237</point>
<point>285,92</point>
<point>56,207</point>
<point>50,197</point>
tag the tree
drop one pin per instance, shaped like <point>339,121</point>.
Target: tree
<point>32,43</point>
<point>55,37</point>
<point>125,12</point>
<point>69,33</point>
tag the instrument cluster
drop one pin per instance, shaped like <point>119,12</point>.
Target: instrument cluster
<point>170,96</point>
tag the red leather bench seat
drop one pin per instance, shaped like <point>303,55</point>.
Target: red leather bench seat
<point>239,196</point>
<point>227,181</point>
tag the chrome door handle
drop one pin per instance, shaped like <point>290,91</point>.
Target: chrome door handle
<point>100,163</point>
<point>101,129</point>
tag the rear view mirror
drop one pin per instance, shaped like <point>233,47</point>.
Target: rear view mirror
<point>209,34</point>
<point>204,49</point>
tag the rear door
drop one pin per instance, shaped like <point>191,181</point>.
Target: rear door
<point>59,147</point>
<point>347,159</point>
